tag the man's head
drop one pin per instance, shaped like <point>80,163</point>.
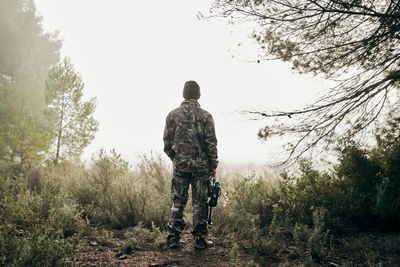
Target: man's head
<point>191,90</point>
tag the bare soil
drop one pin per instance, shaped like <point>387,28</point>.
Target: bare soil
<point>218,254</point>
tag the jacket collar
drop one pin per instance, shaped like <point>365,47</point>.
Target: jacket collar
<point>190,102</point>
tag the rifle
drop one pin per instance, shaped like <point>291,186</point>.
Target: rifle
<point>215,191</point>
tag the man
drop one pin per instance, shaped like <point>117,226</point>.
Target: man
<point>191,144</point>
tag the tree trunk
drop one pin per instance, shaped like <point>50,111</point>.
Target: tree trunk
<point>21,148</point>
<point>59,135</point>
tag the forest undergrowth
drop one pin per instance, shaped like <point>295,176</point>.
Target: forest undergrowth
<point>348,216</point>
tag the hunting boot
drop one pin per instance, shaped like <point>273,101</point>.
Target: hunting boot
<point>173,241</point>
<point>200,242</point>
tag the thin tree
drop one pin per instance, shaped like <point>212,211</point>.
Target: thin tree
<point>353,42</point>
<point>74,125</point>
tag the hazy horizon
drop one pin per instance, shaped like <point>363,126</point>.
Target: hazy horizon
<point>136,65</point>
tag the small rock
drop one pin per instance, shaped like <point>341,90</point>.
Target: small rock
<point>122,257</point>
<point>154,265</point>
<point>94,243</point>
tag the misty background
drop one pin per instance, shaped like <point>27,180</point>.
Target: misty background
<point>135,57</point>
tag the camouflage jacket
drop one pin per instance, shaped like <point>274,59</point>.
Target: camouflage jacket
<point>189,138</point>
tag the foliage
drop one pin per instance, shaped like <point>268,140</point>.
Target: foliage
<point>371,249</point>
<point>354,42</point>
<point>140,238</point>
<point>104,237</point>
<point>252,198</point>
<point>23,40</point>
<point>26,53</point>
<point>111,195</point>
<point>388,137</point>
<point>300,216</point>
<point>28,140</point>
<point>387,206</point>
<point>361,179</point>
<point>318,238</point>
<point>74,125</point>
<point>21,95</point>
<point>301,196</point>
<point>37,228</point>
<point>24,128</point>
<point>371,184</point>
<point>234,252</point>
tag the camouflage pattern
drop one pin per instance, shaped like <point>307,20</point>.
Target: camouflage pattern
<point>189,138</point>
<point>190,142</point>
<point>200,183</point>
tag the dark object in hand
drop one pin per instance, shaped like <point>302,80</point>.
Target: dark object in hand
<point>215,192</point>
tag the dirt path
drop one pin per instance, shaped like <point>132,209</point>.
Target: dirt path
<point>219,254</point>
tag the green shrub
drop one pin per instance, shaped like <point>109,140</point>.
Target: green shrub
<point>36,228</point>
<point>140,238</point>
<point>371,185</point>
<point>112,195</point>
<point>360,177</point>
<point>318,238</point>
<point>234,255</point>
<point>248,211</point>
<point>387,206</point>
<point>104,237</point>
<point>299,196</point>
<point>44,246</point>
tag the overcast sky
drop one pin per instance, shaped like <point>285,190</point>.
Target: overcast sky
<point>135,56</point>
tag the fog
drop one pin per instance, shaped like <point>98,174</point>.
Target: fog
<point>135,57</point>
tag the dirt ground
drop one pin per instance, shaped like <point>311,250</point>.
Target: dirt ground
<point>89,253</point>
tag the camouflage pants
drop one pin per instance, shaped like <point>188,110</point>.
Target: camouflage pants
<point>179,194</point>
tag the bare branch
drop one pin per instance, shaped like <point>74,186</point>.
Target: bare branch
<point>328,37</point>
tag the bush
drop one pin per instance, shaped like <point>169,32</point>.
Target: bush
<point>360,177</point>
<point>140,238</point>
<point>387,207</point>
<point>36,228</point>
<point>291,215</point>
<point>112,195</point>
<point>300,197</point>
<point>248,211</point>
<point>371,185</point>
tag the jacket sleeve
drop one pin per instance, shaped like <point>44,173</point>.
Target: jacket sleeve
<point>168,135</point>
<point>211,142</point>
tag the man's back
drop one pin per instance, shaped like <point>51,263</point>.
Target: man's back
<point>189,138</point>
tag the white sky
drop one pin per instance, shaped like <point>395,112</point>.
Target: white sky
<point>135,56</point>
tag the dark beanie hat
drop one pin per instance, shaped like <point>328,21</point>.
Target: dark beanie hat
<point>191,90</point>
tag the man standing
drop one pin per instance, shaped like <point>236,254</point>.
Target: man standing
<point>191,144</point>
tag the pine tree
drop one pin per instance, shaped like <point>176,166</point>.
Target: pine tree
<point>74,125</point>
